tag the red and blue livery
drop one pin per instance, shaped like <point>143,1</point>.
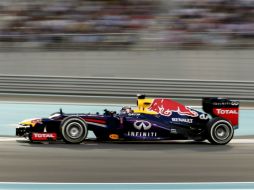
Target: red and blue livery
<point>153,119</point>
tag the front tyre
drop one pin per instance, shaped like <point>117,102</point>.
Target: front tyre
<point>219,131</point>
<point>199,139</point>
<point>74,130</point>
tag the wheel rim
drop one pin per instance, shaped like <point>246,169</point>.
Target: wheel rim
<point>222,132</point>
<point>74,130</point>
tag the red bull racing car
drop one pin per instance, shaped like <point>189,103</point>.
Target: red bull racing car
<point>154,119</point>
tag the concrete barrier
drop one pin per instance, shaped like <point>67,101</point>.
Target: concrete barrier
<point>124,87</point>
<point>174,64</point>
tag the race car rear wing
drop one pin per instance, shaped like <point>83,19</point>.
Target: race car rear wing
<point>224,108</point>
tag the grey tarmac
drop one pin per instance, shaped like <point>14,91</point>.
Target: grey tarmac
<point>97,162</point>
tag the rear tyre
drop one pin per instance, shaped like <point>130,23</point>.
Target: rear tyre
<point>219,131</point>
<point>74,130</point>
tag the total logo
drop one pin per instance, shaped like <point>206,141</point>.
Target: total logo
<point>223,111</point>
<point>142,124</point>
<point>44,135</point>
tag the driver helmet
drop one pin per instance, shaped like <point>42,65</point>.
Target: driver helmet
<point>126,110</point>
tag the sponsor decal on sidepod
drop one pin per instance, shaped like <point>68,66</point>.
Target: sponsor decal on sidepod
<point>166,107</point>
<point>185,120</point>
<point>142,125</point>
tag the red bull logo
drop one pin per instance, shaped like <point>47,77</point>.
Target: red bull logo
<point>166,107</point>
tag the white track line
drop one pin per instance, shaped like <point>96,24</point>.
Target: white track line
<point>242,141</point>
<point>9,139</point>
<point>233,141</point>
<point>120,183</point>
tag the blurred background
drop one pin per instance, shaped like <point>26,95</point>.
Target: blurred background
<point>127,24</point>
<point>189,43</point>
<point>93,54</point>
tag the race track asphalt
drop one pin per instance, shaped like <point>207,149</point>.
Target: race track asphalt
<point>126,162</point>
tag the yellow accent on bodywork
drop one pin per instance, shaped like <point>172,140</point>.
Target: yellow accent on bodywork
<point>30,122</point>
<point>143,105</point>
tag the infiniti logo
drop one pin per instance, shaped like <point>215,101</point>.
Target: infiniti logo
<point>234,103</point>
<point>142,124</point>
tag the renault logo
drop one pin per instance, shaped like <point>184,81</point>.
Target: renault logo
<point>142,124</point>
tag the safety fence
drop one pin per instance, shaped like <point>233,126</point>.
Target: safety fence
<point>124,87</point>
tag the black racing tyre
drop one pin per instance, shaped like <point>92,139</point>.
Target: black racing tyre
<point>74,130</point>
<point>219,131</point>
<point>199,139</point>
<point>30,138</point>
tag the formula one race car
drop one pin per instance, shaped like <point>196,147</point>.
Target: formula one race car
<point>154,119</point>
